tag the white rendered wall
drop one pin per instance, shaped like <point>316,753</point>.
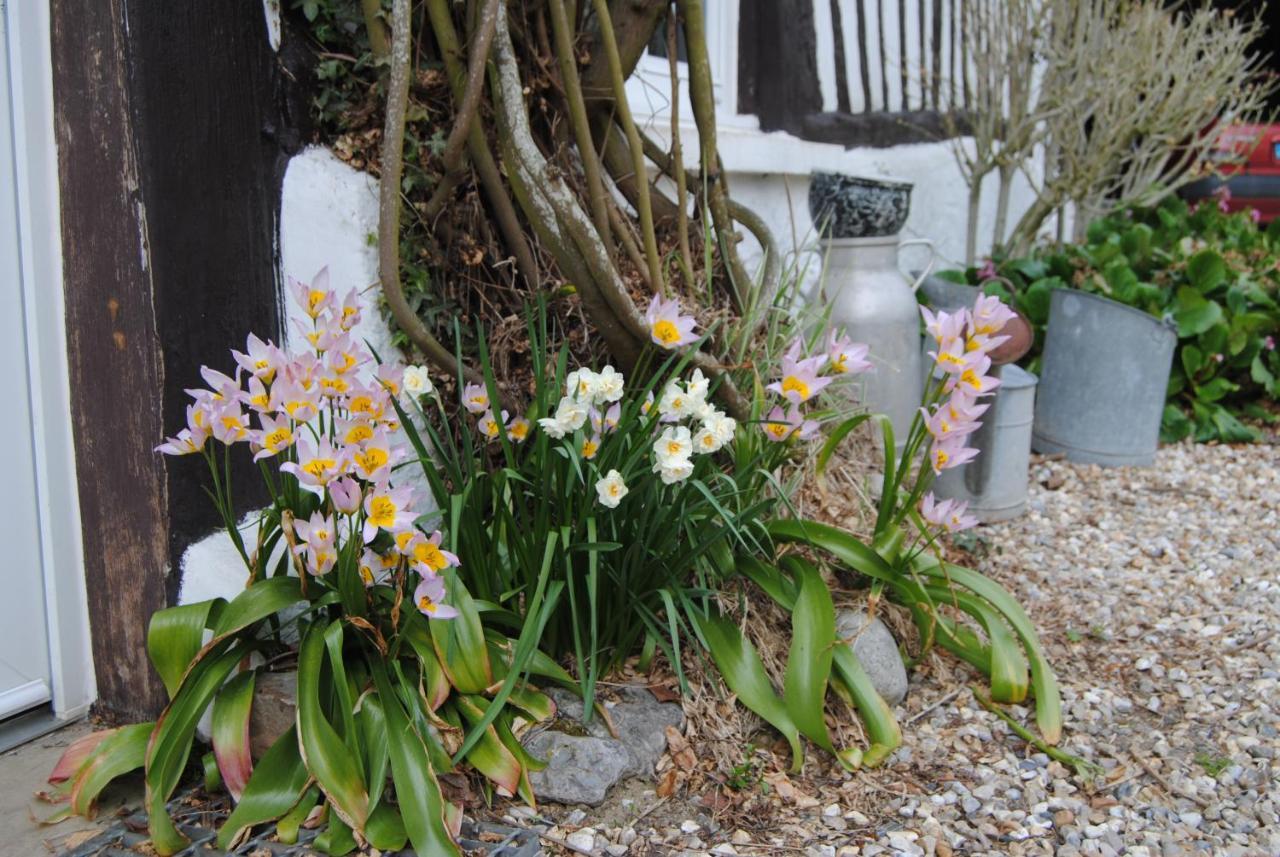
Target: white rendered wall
<point>328,216</point>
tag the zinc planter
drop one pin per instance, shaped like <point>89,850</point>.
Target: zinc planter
<point>866,291</point>
<point>1104,374</point>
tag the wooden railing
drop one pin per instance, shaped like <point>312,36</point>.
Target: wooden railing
<point>858,72</point>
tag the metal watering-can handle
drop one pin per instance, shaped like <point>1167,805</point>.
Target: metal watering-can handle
<point>933,258</point>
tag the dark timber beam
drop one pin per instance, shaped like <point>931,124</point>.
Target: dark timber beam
<point>173,125</point>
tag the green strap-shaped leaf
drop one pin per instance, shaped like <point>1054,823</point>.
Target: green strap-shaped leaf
<point>273,790</point>
<point>1043,682</point>
<point>327,758</point>
<point>170,743</point>
<point>487,754</point>
<point>174,638</point>
<point>417,793</point>
<point>742,670</point>
<point>813,633</point>
<point>372,722</point>
<point>1008,668</point>
<point>230,732</point>
<point>877,716</point>
<point>385,830</point>
<point>124,750</point>
<point>291,822</point>
<point>460,642</point>
<point>262,599</point>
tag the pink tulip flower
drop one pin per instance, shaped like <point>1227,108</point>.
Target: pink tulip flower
<point>845,357</point>
<point>387,508</point>
<point>274,437</point>
<point>262,360</point>
<point>779,426</point>
<point>317,465</point>
<point>475,398</point>
<point>316,539</point>
<point>313,297</point>
<point>948,514</point>
<point>800,379</point>
<point>345,493</point>
<point>427,598</point>
<point>668,328</point>
<point>989,315</point>
<point>950,453</point>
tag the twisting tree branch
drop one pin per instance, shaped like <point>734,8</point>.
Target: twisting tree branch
<point>578,117</point>
<point>490,179</point>
<point>623,110</point>
<point>468,109</point>
<point>702,94</point>
<point>389,200</point>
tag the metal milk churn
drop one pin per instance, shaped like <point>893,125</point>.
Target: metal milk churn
<point>866,291</point>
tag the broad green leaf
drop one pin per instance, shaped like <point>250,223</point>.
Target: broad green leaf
<point>1174,425</point>
<point>385,830</point>
<point>487,753</point>
<point>262,599</point>
<point>1194,313</point>
<point>273,790</point>
<point>1206,270</point>
<point>460,642</point>
<point>1043,681</point>
<point>1215,389</point>
<point>291,822</point>
<point>1230,429</point>
<point>230,732</point>
<point>327,758</point>
<point>813,633</point>
<point>372,722</point>
<point>76,755</point>
<point>121,751</point>
<point>877,716</point>
<point>174,637</point>
<point>1192,360</point>
<point>742,670</point>
<point>170,743</point>
<point>1258,370</point>
<point>422,807</point>
<point>1007,668</point>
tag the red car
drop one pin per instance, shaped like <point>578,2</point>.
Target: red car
<point>1254,184</point>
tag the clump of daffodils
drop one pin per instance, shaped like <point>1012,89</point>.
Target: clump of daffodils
<point>802,378</point>
<point>687,425</point>
<point>326,418</point>
<point>965,340</point>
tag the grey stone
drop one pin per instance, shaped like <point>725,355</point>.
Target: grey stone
<point>275,703</point>
<point>877,652</point>
<point>641,722</point>
<point>580,768</point>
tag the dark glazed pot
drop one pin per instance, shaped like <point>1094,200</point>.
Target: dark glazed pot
<point>853,207</point>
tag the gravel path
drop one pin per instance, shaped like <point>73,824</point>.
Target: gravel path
<point>1157,594</point>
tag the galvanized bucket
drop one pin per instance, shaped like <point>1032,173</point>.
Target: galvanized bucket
<point>1103,379</point>
<point>995,483</point>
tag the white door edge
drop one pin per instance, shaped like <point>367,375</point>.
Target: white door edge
<point>40,245</point>
<point>24,696</point>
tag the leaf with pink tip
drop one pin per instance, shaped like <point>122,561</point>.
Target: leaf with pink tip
<point>230,732</point>
<point>76,754</point>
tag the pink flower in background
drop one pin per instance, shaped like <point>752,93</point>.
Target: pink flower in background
<point>779,426</point>
<point>427,598</point>
<point>318,464</point>
<point>669,328</point>
<point>475,398</point>
<point>228,422</point>
<point>1269,343</point>
<point>316,542</point>
<point>943,425</point>
<point>846,357</point>
<point>313,297</point>
<point>291,398</point>
<point>800,379</point>
<point>972,378</point>
<point>950,453</point>
<point>1255,215</point>
<point>260,359</point>
<point>1218,358</point>
<point>345,493</point>
<point>989,315</point>
<point>987,271</point>
<point>948,514</point>
<point>186,442</point>
<point>349,313</point>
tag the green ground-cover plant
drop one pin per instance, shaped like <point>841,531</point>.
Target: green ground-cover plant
<point>1215,276</point>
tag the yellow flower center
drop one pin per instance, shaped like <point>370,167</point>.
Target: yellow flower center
<point>590,448</point>
<point>614,489</point>
<point>345,363</point>
<point>666,332</point>
<point>940,458</point>
<point>261,401</point>
<point>971,378</point>
<point>778,430</point>
<point>314,299</point>
<point>277,439</point>
<point>838,366</point>
<point>430,556</point>
<point>334,386</point>
<point>520,430</point>
<point>361,405</point>
<point>366,574</point>
<point>792,384</point>
<point>674,447</point>
<point>480,400</point>
<point>382,512</point>
<point>371,460</point>
<point>708,440</point>
<point>358,433</point>
<point>490,428</point>
<point>318,467</point>
<point>426,605</point>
